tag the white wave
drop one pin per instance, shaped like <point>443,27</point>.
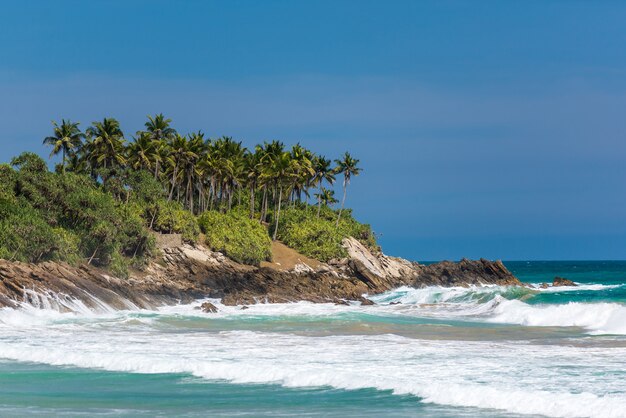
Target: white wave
<point>600,318</point>
<point>518,378</point>
<point>438,294</point>
<point>579,287</point>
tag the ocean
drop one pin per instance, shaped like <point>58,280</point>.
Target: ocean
<point>440,352</point>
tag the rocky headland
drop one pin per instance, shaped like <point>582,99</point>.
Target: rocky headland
<point>183,273</point>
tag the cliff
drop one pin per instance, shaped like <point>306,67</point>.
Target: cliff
<point>184,273</point>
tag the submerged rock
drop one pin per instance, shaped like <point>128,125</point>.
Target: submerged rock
<point>208,307</point>
<point>561,281</point>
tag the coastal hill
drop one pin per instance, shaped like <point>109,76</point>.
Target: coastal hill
<point>165,218</point>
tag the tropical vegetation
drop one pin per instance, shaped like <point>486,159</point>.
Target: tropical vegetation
<point>109,191</point>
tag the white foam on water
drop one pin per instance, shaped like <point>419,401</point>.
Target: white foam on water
<point>517,377</point>
<point>513,377</point>
<point>579,287</point>
<point>599,318</point>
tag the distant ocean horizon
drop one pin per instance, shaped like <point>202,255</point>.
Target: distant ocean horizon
<point>485,351</point>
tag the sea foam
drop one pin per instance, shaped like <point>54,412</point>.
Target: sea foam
<point>513,377</point>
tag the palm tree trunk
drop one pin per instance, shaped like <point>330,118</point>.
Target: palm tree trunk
<point>280,197</point>
<point>63,162</point>
<point>263,204</point>
<point>251,201</point>
<point>173,184</point>
<point>319,204</point>
<point>343,201</point>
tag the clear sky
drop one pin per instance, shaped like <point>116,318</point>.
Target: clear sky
<point>485,128</point>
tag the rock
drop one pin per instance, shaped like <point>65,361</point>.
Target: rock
<point>366,302</point>
<point>561,281</point>
<point>189,273</point>
<point>302,268</point>
<point>244,307</point>
<point>208,307</point>
<point>377,270</point>
<point>465,272</point>
<point>544,286</point>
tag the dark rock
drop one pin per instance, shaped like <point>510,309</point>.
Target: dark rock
<point>544,285</point>
<point>366,302</point>
<point>189,273</point>
<point>561,281</point>
<point>208,307</point>
<point>395,303</point>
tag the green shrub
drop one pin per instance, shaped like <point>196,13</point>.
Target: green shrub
<point>240,238</point>
<point>70,217</point>
<point>320,238</point>
<point>26,236</point>
<point>119,265</point>
<point>171,218</point>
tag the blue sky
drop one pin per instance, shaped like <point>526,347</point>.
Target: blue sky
<point>485,129</point>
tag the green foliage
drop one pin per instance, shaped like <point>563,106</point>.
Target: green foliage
<point>171,218</point>
<point>320,238</point>
<point>7,182</point>
<point>119,265</point>
<point>66,217</point>
<point>26,236</point>
<point>28,161</point>
<point>237,236</point>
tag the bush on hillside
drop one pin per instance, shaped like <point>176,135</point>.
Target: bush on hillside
<point>237,236</point>
<point>320,238</point>
<point>65,217</point>
<point>26,236</point>
<point>171,218</point>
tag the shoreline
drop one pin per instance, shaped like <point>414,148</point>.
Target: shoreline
<point>186,273</point>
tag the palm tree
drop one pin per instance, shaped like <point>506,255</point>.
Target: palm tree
<point>267,153</point>
<point>141,152</point>
<point>159,130</point>
<point>279,172</point>
<point>105,145</point>
<point>348,167</point>
<point>66,139</point>
<point>323,173</point>
<point>252,169</point>
<point>326,196</point>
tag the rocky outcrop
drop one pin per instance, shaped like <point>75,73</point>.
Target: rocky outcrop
<point>463,273</point>
<point>378,270</point>
<point>381,271</point>
<point>561,281</point>
<point>208,307</point>
<point>187,273</point>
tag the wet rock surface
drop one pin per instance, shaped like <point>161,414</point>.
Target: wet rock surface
<point>187,273</point>
<point>561,281</point>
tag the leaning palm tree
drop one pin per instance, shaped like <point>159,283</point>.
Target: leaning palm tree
<point>348,167</point>
<point>67,139</point>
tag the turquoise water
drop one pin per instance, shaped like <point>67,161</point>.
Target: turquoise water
<point>470,352</point>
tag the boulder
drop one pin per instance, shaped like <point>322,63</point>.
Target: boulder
<point>561,281</point>
<point>376,270</point>
<point>208,307</point>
